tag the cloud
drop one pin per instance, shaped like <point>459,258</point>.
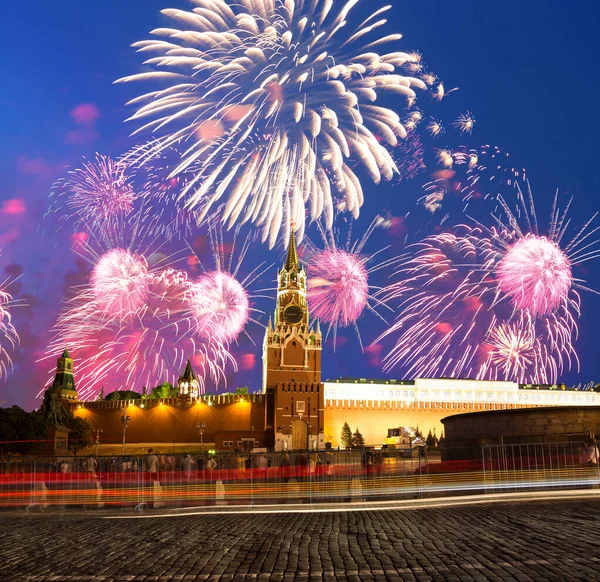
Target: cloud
<point>13,207</point>
<point>373,353</point>
<point>34,167</point>
<point>247,362</point>
<point>85,116</point>
<point>85,113</point>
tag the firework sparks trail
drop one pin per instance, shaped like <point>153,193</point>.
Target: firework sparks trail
<point>338,289</point>
<point>97,192</point>
<point>473,310</point>
<point>273,105</point>
<point>9,338</point>
<point>472,173</point>
<point>159,191</point>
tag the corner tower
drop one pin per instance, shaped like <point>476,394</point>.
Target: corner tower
<point>64,382</point>
<point>292,361</point>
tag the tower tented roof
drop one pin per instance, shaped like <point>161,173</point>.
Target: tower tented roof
<point>66,354</point>
<point>291,261</point>
<point>189,372</point>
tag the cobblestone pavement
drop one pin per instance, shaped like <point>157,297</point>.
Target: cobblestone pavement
<point>553,540</point>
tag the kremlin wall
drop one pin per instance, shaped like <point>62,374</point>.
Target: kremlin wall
<point>296,410</point>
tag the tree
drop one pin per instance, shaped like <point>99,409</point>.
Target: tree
<point>165,390</point>
<point>358,441</point>
<point>123,395</point>
<point>22,430</point>
<point>81,435</point>
<point>429,441</point>
<point>418,433</point>
<point>242,391</point>
<point>101,394</point>
<point>346,436</point>
<point>441,441</point>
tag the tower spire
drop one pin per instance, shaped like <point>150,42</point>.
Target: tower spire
<point>291,260</point>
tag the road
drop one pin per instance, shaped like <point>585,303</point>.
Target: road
<point>536,540</point>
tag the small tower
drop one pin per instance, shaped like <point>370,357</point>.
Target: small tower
<point>64,383</point>
<point>188,384</point>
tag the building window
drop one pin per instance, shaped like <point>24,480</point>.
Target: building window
<point>479,395</point>
<point>469,395</point>
<point>446,395</point>
<point>300,406</point>
<point>457,395</point>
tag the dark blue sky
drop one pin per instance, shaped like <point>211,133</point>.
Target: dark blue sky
<point>527,70</point>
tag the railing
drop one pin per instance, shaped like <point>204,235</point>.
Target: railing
<point>540,466</point>
<point>294,477</point>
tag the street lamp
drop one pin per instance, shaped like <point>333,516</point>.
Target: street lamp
<point>125,419</point>
<point>201,426</point>
<point>98,431</point>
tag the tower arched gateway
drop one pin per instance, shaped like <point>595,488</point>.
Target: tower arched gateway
<point>292,362</point>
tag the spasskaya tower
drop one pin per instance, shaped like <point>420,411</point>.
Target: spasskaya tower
<point>292,362</point>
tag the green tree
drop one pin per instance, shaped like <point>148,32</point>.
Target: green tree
<point>123,395</point>
<point>441,441</point>
<point>429,441</point>
<point>81,435</point>
<point>165,390</point>
<point>346,436</point>
<point>358,441</point>
<point>22,431</point>
<point>242,391</point>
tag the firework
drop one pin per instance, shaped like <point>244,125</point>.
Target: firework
<point>146,347</point>
<point>408,156</point>
<point>159,190</point>
<point>433,199</point>
<point>435,128</point>
<point>221,298</point>
<point>97,192</point>
<point>119,283</point>
<point>465,122</point>
<point>220,305</point>
<point>440,92</point>
<point>338,288</point>
<point>513,349</point>
<point>274,106</point>
<point>492,302</point>
<point>536,274</point>
<point>473,173</point>
<point>9,339</point>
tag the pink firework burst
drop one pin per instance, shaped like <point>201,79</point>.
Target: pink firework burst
<point>119,282</point>
<point>98,191</point>
<point>491,302</point>
<point>221,299</point>
<point>338,289</point>
<point>338,286</point>
<point>220,306</point>
<point>145,348</point>
<point>536,274</point>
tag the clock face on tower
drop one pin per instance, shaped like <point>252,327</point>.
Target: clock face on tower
<point>293,314</point>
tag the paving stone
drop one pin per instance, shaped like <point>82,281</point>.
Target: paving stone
<point>516,541</point>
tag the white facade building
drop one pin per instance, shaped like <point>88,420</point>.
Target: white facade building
<point>451,390</point>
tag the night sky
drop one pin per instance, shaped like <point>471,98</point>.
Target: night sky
<point>527,71</point>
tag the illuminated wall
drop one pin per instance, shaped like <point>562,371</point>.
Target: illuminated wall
<point>171,420</point>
